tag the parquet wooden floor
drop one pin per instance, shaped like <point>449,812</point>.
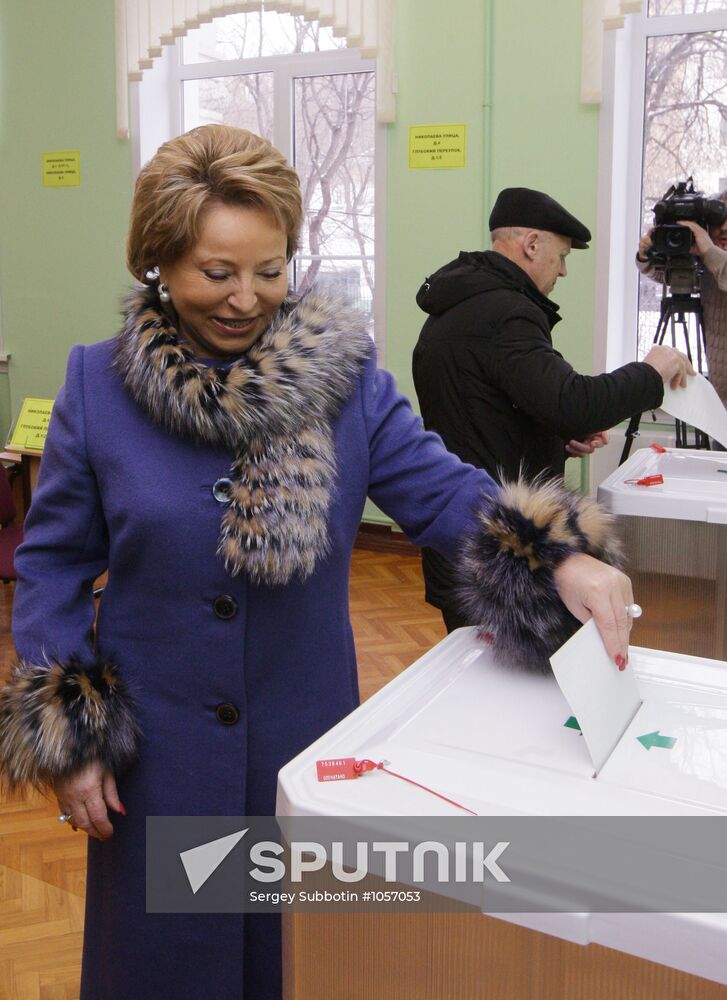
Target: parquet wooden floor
<point>392,624</point>
<point>42,863</point>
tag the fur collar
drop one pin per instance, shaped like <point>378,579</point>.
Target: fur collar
<point>273,406</point>
<point>303,367</point>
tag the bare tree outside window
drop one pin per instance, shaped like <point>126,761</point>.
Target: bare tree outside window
<point>245,100</point>
<point>685,115</point>
<point>666,8</point>
<point>334,154</point>
<point>332,145</point>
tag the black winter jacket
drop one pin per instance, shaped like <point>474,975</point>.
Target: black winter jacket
<point>490,382</point>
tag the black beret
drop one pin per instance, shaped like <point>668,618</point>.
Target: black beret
<point>535,210</point>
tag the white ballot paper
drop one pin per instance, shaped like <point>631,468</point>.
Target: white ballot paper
<point>603,698</point>
<point>699,406</point>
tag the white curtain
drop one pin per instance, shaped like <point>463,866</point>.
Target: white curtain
<point>599,16</point>
<point>144,26</point>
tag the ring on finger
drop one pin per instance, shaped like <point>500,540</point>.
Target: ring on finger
<point>64,817</point>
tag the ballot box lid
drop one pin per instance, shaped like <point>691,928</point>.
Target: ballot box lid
<point>694,486</point>
<point>503,742</point>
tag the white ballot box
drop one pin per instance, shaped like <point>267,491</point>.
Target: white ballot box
<point>505,744</point>
<point>675,535</point>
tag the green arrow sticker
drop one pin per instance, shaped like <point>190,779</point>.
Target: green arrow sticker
<point>655,739</point>
<point>572,723</point>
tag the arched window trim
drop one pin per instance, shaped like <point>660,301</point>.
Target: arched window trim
<point>144,27</point>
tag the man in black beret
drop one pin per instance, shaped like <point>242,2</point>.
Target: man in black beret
<point>487,376</point>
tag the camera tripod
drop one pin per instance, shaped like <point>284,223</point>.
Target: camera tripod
<point>675,310</point>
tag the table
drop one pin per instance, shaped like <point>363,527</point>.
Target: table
<point>30,467</point>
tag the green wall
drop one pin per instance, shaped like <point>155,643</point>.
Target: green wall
<point>432,214</point>
<point>509,69</point>
<point>61,250</point>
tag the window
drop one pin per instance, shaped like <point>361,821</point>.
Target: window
<point>293,82</point>
<point>664,118</point>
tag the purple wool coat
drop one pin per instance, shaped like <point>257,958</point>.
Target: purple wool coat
<point>117,492</point>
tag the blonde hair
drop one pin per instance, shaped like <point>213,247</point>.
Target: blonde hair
<point>212,163</point>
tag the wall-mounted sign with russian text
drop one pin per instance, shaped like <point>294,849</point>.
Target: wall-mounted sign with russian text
<point>437,147</point>
<point>62,168</point>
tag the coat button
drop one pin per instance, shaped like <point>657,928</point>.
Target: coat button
<point>225,606</point>
<point>227,713</point>
<point>221,490</point>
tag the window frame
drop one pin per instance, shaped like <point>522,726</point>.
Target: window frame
<point>157,114</point>
<point>620,176</point>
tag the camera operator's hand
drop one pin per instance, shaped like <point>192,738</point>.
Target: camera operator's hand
<point>672,365</point>
<point>702,241</point>
<point>642,253</point>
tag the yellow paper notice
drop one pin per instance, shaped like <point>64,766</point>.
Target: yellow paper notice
<point>437,147</point>
<point>62,169</point>
<point>31,427</point>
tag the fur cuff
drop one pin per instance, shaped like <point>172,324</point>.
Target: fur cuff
<point>57,717</point>
<point>506,583</point>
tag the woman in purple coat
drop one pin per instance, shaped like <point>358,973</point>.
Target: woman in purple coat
<point>215,458</point>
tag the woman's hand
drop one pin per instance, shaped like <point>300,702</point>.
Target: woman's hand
<point>592,589</point>
<point>87,796</point>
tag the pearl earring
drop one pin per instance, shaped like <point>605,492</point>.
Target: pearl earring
<point>164,295</point>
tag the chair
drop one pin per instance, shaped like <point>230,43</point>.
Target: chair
<point>11,535</point>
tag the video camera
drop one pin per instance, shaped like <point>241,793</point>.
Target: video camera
<point>671,243</point>
<point>681,201</point>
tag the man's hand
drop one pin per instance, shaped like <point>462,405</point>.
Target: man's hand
<point>86,796</point>
<point>702,240</point>
<point>672,365</point>
<point>579,448</point>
